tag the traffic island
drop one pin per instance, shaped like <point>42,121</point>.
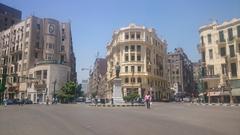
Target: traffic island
<point>117,105</point>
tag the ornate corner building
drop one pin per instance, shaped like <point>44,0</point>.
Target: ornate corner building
<point>142,56</point>
<point>37,54</point>
<point>220,51</point>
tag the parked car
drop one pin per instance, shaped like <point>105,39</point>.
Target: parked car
<point>88,100</point>
<point>10,102</point>
<point>27,101</point>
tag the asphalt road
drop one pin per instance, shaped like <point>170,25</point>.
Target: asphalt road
<point>80,119</point>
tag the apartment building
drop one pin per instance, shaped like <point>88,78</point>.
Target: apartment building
<point>220,51</point>
<point>8,16</point>
<point>37,55</point>
<point>97,80</point>
<point>142,57</point>
<point>180,72</point>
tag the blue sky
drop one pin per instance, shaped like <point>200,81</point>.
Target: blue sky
<point>93,21</point>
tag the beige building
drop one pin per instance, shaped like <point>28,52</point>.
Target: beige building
<point>97,80</point>
<point>36,51</point>
<point>142,56</point>
<point>220,50</point>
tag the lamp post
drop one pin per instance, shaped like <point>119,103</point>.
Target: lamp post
<point>54,95</point>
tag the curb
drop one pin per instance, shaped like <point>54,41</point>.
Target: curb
<point>116,105</point>
<point>214,104</point>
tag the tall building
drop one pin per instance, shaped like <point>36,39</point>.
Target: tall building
<point>220,50</point>
<point>196,76</point>
<point>8,16</point>
<point>142,57</point>
<point>180,71</point>
<point>97,80</point>
<point>38,56</point>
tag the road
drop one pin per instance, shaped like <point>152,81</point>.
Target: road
<point>80,119</point>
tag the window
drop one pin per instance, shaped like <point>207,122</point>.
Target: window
<point>223,68</point>
<point>211,69</point>
<point>139,68</point>
<point>44,74</point>
<point>25,55</point>
<point>62,48</point>
<point>126,57</point>
<point>138,57</point>
<point>20,56</point>
<point>230,34</point>
<point>126,80</point>
<point>37,45</point>
<point>27,34</point>
<point>126,35</point>
<point>238,30</point>
<point>132,48</point>
<point>223,51</point>
<point>209,38</point>
<point>62,59</point>
<point>139,48</point>
<point>50,46</point>
<point>126,48</point>
<point>132,80</point>
<point>232,52</point>
<point>132,35</point>
<point>203,56</point>
<point>133,57</point>
<point>239,48</point>
<point>221,36</point>
<point>126,69</point>
<point>36,55</point>
<point>26,44</point>
<point>202,40</point>
<point>138,36</point>
<point>139,80</point>
<point>132,68</point>
<point>233,69</point>
<point>38,74</point>
<point>210,54</point>
<point>38,26</point>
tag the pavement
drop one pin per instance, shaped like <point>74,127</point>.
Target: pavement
<point>82,119</point>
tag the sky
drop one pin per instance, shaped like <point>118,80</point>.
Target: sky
<point>94,21</point>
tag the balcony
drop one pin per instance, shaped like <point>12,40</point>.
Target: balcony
<point>201,47</point>
<point>221,42</point>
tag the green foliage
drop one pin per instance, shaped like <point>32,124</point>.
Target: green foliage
<point>79,92</point>
<point>67,92</point>
<point>2,88</point>
<point>131,97</point>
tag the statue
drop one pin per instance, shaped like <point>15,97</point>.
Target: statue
<point>117,69</point>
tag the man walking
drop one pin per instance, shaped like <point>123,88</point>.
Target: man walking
<point>148,99</point>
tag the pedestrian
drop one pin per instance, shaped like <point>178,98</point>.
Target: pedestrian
<point>148,99</point>
<point>47,100</point>
<point>5,102</point>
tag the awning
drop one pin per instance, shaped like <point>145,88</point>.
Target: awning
<point>236,92</point>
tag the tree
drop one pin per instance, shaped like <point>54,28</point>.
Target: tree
<point>131,97</point>
<point>79,92</point>
<point>67,93</point>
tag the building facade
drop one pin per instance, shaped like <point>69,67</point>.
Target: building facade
<point>8,16</point>
<point>142,57</point>
<point>97,80</point>
<point>220,51</point>
<point>180,71</point>
<point>36,51</point>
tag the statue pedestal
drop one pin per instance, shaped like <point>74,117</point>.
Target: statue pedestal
<point>117,92</point>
